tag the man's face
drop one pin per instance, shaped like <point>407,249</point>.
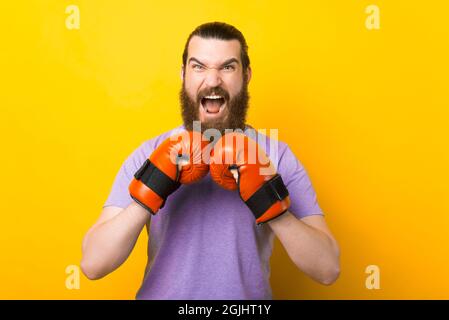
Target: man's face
<point>215,86</point>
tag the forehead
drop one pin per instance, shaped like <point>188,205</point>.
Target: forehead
<point>212,51</point>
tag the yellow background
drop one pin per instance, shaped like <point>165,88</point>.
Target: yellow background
<point>365,111</point>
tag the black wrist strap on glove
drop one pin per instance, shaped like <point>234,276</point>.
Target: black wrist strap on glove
<point>272,191</point>
<point>156,180</point>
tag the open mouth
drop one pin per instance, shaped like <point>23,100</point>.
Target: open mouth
<point>212,104</point>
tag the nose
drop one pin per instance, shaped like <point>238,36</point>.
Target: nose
<point>213,78</point>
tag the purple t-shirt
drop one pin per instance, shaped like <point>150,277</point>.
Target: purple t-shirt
<point>204,243</point>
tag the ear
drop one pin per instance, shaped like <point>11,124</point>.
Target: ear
<point>182,73</point>
<point>249,73</point>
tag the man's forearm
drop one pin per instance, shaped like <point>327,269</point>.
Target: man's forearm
<point>107,245</point>
<point>312,250</point>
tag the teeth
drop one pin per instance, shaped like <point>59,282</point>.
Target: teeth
<point>213,97</point>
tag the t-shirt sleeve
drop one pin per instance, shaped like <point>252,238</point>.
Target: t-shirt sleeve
<point>119,194</point>
<point>302,194</point>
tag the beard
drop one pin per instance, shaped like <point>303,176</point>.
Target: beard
<point>234,118</point>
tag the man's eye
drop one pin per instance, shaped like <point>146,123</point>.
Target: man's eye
<point>229,68</point>
<point>197,67</point>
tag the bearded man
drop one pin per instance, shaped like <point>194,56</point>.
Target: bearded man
<point>211,220</point>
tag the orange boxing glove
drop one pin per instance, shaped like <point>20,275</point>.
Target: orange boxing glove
<point>260,187</point>
<point>177,160</point>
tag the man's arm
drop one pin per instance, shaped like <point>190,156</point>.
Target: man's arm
<point>111,239</point>
<point>310,245</point>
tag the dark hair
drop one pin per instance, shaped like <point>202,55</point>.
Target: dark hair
<point>221,31</point>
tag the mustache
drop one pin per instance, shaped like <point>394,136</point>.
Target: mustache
<point>219,91</point>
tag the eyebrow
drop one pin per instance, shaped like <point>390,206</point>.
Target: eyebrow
<point>229,61</point>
